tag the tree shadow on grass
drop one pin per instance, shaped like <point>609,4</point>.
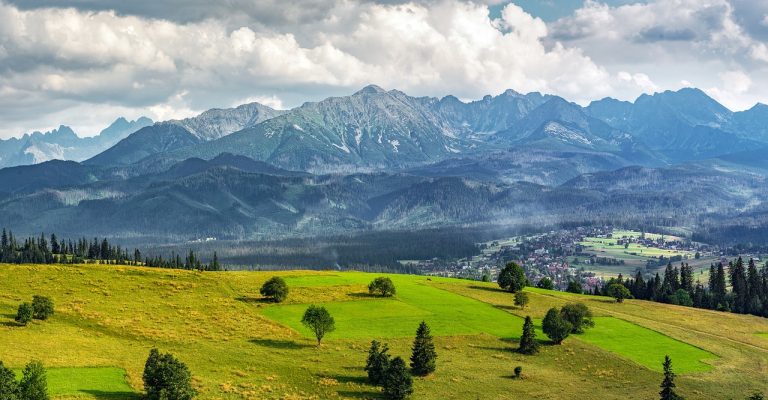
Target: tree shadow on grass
<point>280,344</point>
<point>103,395</point>
<point>365,295</point>
<point>487,288</point>
<point>255,300</point>
<point>359,394</point>
<point>359,380</point>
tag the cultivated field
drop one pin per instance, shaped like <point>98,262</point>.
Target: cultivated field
<point>239,347</point>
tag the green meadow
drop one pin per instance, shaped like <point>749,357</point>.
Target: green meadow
<point>240,347</point>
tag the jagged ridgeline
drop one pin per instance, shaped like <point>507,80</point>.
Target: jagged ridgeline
<point>384,161</point>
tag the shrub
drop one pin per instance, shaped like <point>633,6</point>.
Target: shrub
<point>9,388</point>
<point>275,288</point>
<point>555,327</point>
<point>319,320</point>
<point>521,299</point>
<point>579,315</point>
<point>398,384</point>
<point>42,307</point>
<point>545,283</point>
<point>424,356</point>
<point>618,292</point>
<point>377,363</point>
<point>382,286</point>
<point>166,378</point>
<point>512,278</point>
<point>33,384</point>
<point>518,372</point>
<point>24,314</point>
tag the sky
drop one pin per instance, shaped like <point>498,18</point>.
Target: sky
<point>83,63</point>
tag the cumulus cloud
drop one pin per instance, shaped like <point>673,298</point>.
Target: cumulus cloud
<point>59,58</point>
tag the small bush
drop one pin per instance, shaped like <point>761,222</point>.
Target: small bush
<point>42,307</point>
<point>518,372</point>
<point>275,288</point>
<point>24,314</point>
<point>521,299</point>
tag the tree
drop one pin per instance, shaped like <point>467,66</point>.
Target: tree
<point>319,321</point>
<point>545,283</point>
<point>33,384</point>
<point>9,388</point>
<point>24,314</point>
<point>512,277</point>
<point>167,378</point>
<point>383,286</point>
<point>521,299</point>
<point>42,307</point>
<point>555,327</point>
<point>680,297</point>
<point>377,364</point>
<point>398,384</point>
<point>574,287</point>
<point>618,292</point>
<point>275,288</point>
<point>668,384</point>
<point>578,315</point>
<point>756,396</point>
<point>424,356</point>
<point>528,343</point>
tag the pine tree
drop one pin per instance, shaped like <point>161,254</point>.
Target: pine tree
<point>668,384</point>
<point>424,356</point>
<point>528,343</point>
<point>377,364</point>
<point>398,384</point>
<point>9,388</point>
<point>686,278</point>
<point>754,289</point>
<point>739,286</point>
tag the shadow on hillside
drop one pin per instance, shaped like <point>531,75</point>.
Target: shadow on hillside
<point>367,296</point>
<point>254,300</point>
<point>509,308</point>
<point>359,394</point>
<point>280,344</point>
<point>102,395</point>
<point>487,288</point>
<point>360,380</point>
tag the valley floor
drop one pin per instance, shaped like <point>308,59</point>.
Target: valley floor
<point>239,347</point>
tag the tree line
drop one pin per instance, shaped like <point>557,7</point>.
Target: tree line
<point>748,292</point>
<point>53,250</point>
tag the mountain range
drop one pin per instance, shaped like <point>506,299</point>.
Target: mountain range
<point>381,160</point>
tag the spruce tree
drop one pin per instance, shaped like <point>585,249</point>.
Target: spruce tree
<point>528,343</point>
<point>377,364</point>
<point>398,384</point>
<point>9,388</point>
<point>33,384</point>
<point>668,384</point>
<point>424,356</point>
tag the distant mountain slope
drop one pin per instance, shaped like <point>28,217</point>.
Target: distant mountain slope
<point>174,134</point>
<point>63,144</point>
<point>372,128</point>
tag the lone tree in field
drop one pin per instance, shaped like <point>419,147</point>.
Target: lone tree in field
<point>512,278</point>
<point>33,384</point>
<point>579,315</point>
<point>528,343</point>
<point>668,384</point>
<point>42,307</point>
<point>319,321</point>
<point>618,292</point>
<point>521,299</point>
<point>382,286</point>
<point>398,384</point>
<point>424,356</point>
<point>24,314</point>
<point>9,388</point>
<point>377,364</point>
<point>165,377</point>
<point>275,288</point>
<point>555,327</point>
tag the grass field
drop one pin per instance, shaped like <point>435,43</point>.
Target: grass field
<point>238,347</point>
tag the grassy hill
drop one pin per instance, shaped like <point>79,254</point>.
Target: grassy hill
<point>239,347</point>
